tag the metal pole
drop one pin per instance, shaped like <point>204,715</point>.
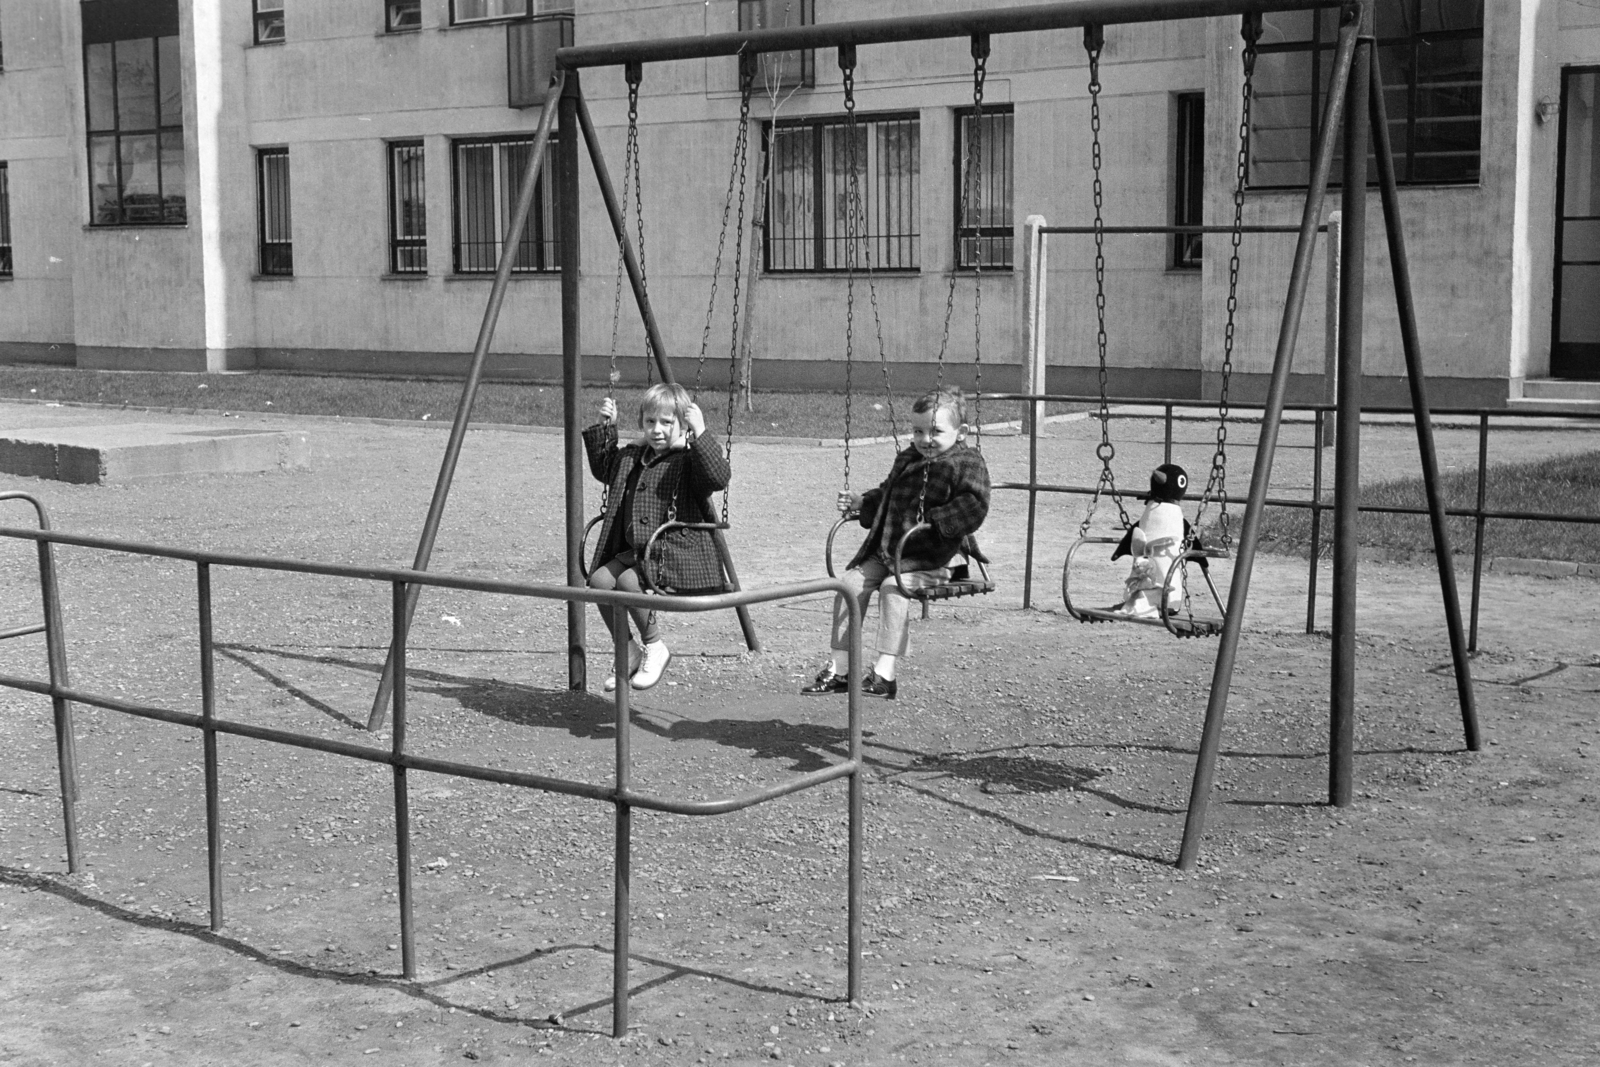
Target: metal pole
<point>401,606</point>
<point>621,904</point>
<point>1168,435</point>
<point>1478,522</point>
<point>1401,269</point>
<point>1316,518</point>
<point>1266,445</point>
<point>856,877</point>
<point>1330,349</point>
<point>1034,304</point>
<point>55,644</point>
<point>469,389</point>
<point>570,223</point>
<point>1347,419</point>
<point>1033,510</point>
<point>208,714</point>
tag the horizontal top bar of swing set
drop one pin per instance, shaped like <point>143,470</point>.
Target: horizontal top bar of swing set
<point>1176,229</point>
<point>919,28</point>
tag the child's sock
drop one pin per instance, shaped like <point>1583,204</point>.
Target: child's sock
<point>841,661</point>
<point>885,668</point>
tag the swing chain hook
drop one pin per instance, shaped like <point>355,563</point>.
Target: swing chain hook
<point>847,70</point>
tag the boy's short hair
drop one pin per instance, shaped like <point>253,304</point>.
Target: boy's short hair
<point>945,398</point>
<point>665,396</point>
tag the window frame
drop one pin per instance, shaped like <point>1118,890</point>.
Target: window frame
<point>390,7</point>
<point>166,134</point>
<point>7,259</point>
<point>750,12</point>
<point>400,243</point>
<point>1320,47</point>
<point>267,245</point>
<point>820,240</point>
<point>1188,179</point>
<point>541,239</point>
<point>963,233</point>
<point>491,20</point>
<point>265,18</point>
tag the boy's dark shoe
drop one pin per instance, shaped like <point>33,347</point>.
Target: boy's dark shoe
<point>827,681</point>
<point>873,686</point>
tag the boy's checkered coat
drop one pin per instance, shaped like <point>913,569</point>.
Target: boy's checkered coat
<point>686,561</point>
<point>956,503</point>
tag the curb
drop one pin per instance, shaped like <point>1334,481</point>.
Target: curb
<point>1544,568</point>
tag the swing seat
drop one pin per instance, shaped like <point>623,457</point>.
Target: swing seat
<point>647,558</point>
<point>960,583</point>
<point>1180,623</point>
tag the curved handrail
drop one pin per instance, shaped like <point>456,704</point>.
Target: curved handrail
<point>923,594</point>
<point>648,579</point>
<point>833,532</point>
<point>1066,572</point>
<point>1170,619</point>
<point>583,546</point>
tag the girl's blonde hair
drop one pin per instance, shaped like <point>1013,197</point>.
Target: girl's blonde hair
<point>665,396</point>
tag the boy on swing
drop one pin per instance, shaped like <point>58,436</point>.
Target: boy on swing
<point>938,480</point>
<point>665,474</point>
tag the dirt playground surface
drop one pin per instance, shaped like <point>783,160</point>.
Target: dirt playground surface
<point>1024,807</point>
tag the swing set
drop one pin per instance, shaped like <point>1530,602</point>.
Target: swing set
<point>1355,89</point>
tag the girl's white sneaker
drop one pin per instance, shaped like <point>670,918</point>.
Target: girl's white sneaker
<point>652,665</point>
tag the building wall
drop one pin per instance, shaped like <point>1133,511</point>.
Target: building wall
<point>339,88</point>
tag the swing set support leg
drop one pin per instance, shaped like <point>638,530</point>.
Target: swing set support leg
<point>1266,447</point>
<point>469,389</point>
<point>641,297</point>
<point>572,372</point>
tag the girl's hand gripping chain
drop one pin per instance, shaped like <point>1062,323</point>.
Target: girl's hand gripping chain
<point>696,420</point>
<point>608,410</point>
<point>848,502</point>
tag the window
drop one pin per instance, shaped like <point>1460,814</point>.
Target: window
<point>781,70</point>
<point>5,220</point>
<point>133,94</point>
<point>273,226</point>
<point>488,176</point>
<point>985,239</point>
<point>487,10</point>
<point>1431,52</point>
<point>408,211</point>
<point>269,21</point>
<point>807,227</point>
<point>402,15</point>
<point>1188,179</point>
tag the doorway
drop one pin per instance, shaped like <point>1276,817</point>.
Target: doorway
<point>1575,347</point>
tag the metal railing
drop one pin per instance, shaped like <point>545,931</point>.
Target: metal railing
<point>620,792</point>
<point>1479,512</point>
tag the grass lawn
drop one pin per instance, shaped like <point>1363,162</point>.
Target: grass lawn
<point>804,415</point>
<point>1566,486</point>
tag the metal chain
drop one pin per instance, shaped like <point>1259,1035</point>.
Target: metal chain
<point>635,75</point>
<point>727,209</point>
<point>1217,480</point>
<point>629,161</point>
<point>1105,451</point>
<point>747,80</point>
<point>973,187</point>
<point>847,68</point>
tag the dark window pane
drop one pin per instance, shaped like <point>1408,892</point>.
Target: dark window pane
<point>100,87</point>
<point>105,191</point>
<point>173,202</point>
<point>136,84</point>
<point>404,15</point>
<point>170,70</point>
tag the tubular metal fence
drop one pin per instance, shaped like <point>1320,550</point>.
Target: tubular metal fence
<point>620,792</point>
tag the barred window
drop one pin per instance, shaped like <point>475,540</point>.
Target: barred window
<point>133,97</point>
<point>402,15</point>
<point>984,238</point>
<point>275,234</point>
<point>488,175</point>
<point>1188,179</point>
<point>781,70</point>
<point>807,211</point>
<point>269,21</point>
<point>408,212</point>
<point>5,220</point>
<point>462,11</point>
<point>1431,52</point>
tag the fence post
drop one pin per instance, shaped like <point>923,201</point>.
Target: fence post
<point>1033,320</point>
<point>1330,351</point>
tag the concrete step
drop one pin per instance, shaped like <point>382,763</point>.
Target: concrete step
<point>1560,389</point>
<point>1554,406</point>
<point>98,455</point>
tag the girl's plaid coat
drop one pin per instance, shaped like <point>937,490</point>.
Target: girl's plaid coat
<point>686,561</point>
<point>955,504</point>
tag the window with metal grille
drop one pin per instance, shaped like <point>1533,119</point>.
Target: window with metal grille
<point>1431,52</point>
<point>402,15</point>
<point>269,21</point>
<point>781,70</point>
<point>1188,179</point>
<point>273,226</point>
<point>983,212</point>
<point>5,220</point>
<point>466,11</point>
<point>408,212</point>
<point>488,176</point>
<point>808,223</point>
<point>133,98</point>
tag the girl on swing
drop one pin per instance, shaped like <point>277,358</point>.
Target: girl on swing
<point>666,474</point>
